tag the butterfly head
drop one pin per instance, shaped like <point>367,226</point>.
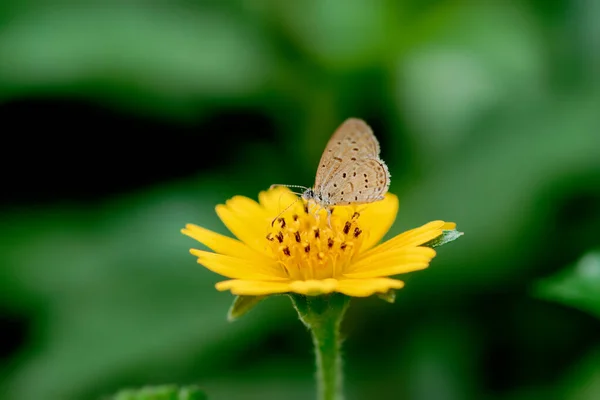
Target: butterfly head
<point>316,196</point>
<point>310,194</point>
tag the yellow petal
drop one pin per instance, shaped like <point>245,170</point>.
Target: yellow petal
<point>314,287</point>
<point>411,257</point>
<point>390,270</point>
<point>377,218</point>
<point>350,287</point>
<point>245,207</point>
<point>411,238</point>
<point>367,287</point>
<point>222,244</point>
<point>448,226</point>
<point>278,199</point>
<point>253,288</point>
<point>246,220</point>
<point>238,268</point>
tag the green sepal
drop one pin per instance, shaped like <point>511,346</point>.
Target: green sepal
<point>241,305</point>
<point>162,392</point>
<point>447,236</point>
<point>322,309</point>
<point>389,296</point>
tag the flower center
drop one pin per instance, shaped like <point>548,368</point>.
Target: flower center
<point>312,246</point>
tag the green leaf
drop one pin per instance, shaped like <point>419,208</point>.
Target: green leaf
<point>241,305</point>
<point>389,296</point>
<point>148,51</point>
<point>328,34</point>
<point>446,237</point>
<point>163,392</point>
<point>578,286</point>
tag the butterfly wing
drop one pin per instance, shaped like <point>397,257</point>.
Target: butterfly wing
<point>362,181</point>
<point>353,140</point>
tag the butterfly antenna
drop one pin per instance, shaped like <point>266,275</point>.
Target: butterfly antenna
<point>287,186</point>
<point>287,208</point>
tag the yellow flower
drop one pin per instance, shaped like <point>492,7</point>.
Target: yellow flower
<point>302,253</point>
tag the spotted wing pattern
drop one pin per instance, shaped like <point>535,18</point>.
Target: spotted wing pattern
<point>350,170</point>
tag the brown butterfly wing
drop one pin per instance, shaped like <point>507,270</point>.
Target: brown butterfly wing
<point>353,140</point>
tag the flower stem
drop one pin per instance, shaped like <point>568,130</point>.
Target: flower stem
<point>323,316</point>
<point>329,363</point>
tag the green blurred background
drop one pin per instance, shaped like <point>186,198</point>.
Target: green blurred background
<point>123,122</point>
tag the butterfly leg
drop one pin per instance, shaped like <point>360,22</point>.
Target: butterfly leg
<point>313,208</point>
<point>318,209</point>
<point>317,212</point>
<point>329,216</point>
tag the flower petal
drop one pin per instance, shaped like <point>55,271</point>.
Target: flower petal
<point>377,219</point>
<point>350,287</point>
<point>222,244</point>
<point>238,268</point>
<point>314,287</point>
<point>389,270</point>
<point>278,199</point>
<point>367,287</point>
<point>411,238</point>
<point>402,260</point>
<point>244,218</point>
<point>253,288</point>
<point>246,207</point>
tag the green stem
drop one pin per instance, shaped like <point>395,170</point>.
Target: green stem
<point>329,363</point>
<point>323,316</point>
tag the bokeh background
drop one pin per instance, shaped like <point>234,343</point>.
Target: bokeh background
<point>123,121</point>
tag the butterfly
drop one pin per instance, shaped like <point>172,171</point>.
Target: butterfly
<point>350,170</point>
